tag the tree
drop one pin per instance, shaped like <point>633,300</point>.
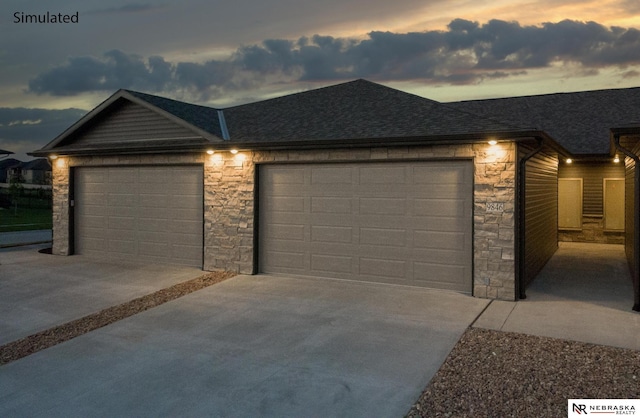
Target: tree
<point>16,189</point>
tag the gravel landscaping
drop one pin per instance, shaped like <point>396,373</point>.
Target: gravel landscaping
<point>33,343</point>
<point>502,374</point>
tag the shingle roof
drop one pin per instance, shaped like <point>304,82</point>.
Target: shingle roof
<point>356,109</point>
<point>203,117</point>
<point>580,122</point>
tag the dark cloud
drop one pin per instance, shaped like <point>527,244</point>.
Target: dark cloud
<point>113,71</point>
<point>467,52</point>
<point>24,130</point>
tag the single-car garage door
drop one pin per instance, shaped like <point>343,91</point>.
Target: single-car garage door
<point>145,213</point>
<point>394,222</point>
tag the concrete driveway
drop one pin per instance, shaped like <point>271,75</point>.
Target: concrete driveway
<point>39,291</point>
<point>251,346</point>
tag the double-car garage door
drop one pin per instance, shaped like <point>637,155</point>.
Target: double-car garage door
<point>394,222</point>
<point>142,213</point>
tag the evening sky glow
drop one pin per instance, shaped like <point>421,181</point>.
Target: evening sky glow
<point>223,53</point>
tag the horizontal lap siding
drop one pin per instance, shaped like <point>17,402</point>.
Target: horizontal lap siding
<point>541,211</point>
<point>131,122</point>
<point>629,239</point>
<point>592,175</point>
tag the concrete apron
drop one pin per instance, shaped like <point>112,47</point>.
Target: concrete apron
<point>584,293</point>
<point>251,346</point>
<point>39,291</point>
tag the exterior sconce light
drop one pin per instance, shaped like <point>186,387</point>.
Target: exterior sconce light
<point>234,151</point>
<point>53,157</point>
<point>210,151</point>
<point>493,142</point>
<point>616,160</point>
<point>568,160</point>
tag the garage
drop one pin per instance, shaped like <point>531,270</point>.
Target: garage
<point>139,213</point>
<point>406,223</point>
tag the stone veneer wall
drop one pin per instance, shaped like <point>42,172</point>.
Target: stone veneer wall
<point>592,231</point>
<point>229,202</point>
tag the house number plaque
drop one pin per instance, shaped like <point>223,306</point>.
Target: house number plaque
<point>495,207</point>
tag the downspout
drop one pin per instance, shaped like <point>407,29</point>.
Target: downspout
<point>520,222</point>
<point>636,221</point>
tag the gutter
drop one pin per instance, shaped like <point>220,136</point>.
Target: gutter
<point>636,221</point>
<point>520,211</point>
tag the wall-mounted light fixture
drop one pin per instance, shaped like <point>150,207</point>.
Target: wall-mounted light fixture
<point>210,151</point>
<point>616,159</point>
<point>493,142</point>
<point>53,157</point>
<point>234,151</point>
<point>568,161</point>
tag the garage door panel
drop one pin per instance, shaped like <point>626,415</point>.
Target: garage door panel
<point>385,268</point>
<point>331,176</point>
<point>332,234</point>
<point>369,221</point>
<point>444,240</point>
<point>382,206</point>
<point>383,236</point>
<point>285,204</point>
<point>440,208</point>
<point>383,175</point>
<point>285,231</point>
<point>131,206</point>
<point>285,259</point>
<point>332,205</point>
<point>447,276</point>
<point>331,263</point>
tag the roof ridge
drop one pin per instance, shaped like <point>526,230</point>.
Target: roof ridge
<point>562,93</point>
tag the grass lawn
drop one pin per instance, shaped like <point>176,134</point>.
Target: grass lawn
<point>25,219</point>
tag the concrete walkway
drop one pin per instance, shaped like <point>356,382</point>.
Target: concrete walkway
<point>18,238</point>
<point>584,293</point>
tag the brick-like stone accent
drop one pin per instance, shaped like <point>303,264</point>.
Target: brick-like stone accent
<point>229,186</point>
<point>592,231</point>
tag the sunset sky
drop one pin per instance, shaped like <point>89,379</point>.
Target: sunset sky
<point>221,53</point>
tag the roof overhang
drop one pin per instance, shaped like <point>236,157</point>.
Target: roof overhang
<point>52,147</point>
<point>309,144</point>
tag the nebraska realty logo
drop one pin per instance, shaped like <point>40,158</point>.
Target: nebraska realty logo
<point>582,407</point>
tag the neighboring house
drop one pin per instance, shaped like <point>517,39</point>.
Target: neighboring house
<point>36,171</point>
<point>5,165</point>
<point>355,181</point>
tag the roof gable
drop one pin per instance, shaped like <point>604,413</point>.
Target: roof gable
<point>131,121</point>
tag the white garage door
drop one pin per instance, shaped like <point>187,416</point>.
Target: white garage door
<point>142,213</point>
<point>405,223</point>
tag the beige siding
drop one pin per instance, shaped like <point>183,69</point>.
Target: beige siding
<point>129,123</point>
